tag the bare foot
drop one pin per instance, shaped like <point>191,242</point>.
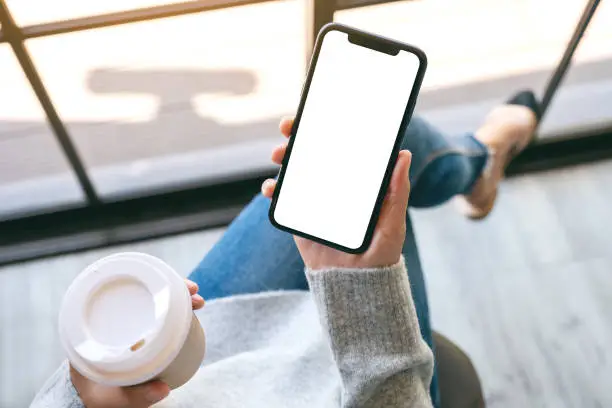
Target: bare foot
<point>507,130</point>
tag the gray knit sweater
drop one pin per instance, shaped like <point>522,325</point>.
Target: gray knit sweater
<point>353,341</point>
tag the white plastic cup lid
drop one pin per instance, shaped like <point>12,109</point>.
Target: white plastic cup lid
<point>125,318</point>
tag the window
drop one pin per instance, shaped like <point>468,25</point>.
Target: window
<point>480,52</point>
<point>156,104</point>
<point>34,173</point>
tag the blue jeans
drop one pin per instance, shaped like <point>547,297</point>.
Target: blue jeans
<point>252,256</point>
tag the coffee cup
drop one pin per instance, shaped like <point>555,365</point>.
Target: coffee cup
<point>127,319</point>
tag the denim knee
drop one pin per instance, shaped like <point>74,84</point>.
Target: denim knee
<point>443,178</point>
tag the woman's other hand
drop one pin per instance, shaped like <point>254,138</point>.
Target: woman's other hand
<point>94,395</point>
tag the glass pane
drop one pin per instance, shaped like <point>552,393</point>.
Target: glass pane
<point>28,12</point>
<point>34,175</point>
<point>189,99</point>
<point>480,51</point>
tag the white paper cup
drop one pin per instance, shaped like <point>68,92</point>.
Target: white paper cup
<point>127,319</point>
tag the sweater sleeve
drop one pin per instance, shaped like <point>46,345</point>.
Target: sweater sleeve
<point>372,327</point>
<point>58,391</point>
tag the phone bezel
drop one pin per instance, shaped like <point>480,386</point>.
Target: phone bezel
<point>368,37</point>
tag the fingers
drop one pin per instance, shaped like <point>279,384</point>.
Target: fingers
<point>192,286</point>
<point>279,153</point>
<point>197,301</point>
<point>267,188</point>
<point>285,126</point>
<point>145,395</point>
<point>137,396</point>
<point>396,202</point>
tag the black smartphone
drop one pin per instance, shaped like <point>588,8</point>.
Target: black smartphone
<point>356,103</point>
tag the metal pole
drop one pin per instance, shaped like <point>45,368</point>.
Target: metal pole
<point>564,64</point>
<point>15,38</point>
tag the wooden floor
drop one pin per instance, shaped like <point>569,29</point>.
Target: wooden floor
<point>527,293</point>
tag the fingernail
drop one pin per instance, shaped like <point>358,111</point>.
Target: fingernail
<point>267,184</point>
<point>193,285</point>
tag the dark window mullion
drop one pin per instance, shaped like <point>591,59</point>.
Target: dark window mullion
<point>565,62</point>
<point>15,38</point>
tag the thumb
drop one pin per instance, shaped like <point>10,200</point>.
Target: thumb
<point>145,395</point>
<point>396,202</point>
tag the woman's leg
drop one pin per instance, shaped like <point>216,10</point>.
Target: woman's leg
<point>252,256</point>
<point>442,167</point>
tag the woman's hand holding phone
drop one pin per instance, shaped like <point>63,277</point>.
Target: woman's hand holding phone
<point>390,231</point>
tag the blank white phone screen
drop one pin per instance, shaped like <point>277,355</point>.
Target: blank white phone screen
<point>344,141</point>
